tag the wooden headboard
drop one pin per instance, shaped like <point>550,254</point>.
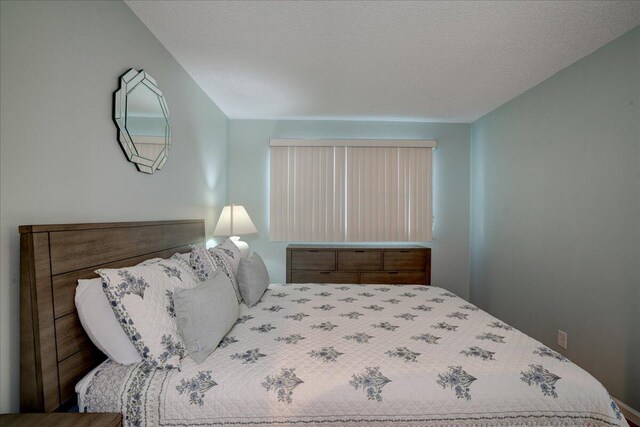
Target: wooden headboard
<point>55,352</point>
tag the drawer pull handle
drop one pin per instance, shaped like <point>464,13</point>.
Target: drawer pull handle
<point>393,272</point>
<point>404,252</point>
<point>325,272</point>
<point>314,250</point>
<point>360,252</point>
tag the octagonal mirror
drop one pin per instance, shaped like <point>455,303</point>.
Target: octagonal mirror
<point>142,117</point>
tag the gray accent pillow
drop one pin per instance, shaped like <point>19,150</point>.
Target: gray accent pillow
<point>205,314</point>
<point>253,279</point>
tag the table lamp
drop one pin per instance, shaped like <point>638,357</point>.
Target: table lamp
<point>234,221</point>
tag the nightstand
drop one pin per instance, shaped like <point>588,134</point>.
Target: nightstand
<point>60,419</point>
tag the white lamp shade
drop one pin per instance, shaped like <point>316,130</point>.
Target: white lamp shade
<point>234,221</point>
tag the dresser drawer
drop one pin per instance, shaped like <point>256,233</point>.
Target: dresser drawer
<point>393,277</point>
<point>313,260</point>
<point>407,259</point>
<point>323,277</point>
<point>359,260</point>
<point>409,264</point>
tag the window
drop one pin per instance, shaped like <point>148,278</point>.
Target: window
<point>350,190</point>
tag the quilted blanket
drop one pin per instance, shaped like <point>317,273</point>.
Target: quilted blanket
<point>336,355</point>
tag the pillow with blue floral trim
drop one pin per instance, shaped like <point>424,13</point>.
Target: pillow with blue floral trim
<point>141,298</point>
<point>205,263</point>
<point>230,252</point>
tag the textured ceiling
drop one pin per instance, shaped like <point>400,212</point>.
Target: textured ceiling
<point>423,61</point>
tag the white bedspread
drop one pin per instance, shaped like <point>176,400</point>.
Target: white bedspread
<point>361,355</point>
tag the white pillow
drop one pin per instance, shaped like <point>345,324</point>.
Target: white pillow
<point>141,298</point>
<point>99,322</point>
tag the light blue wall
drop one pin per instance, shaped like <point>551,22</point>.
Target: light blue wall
<point>249,174</point>
<point>555,219</point>
<point>60,159</point>
<point>554,182</point>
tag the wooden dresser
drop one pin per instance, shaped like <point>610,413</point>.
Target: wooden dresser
<point>409,264</point>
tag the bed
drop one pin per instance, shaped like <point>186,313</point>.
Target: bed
<point>323,354</point>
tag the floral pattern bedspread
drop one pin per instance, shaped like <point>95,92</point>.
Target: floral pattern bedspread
<point>311,354</point>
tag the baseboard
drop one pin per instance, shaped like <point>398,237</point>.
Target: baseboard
<point>628,412</point>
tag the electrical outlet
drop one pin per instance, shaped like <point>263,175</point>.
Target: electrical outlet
<point>562,339</point>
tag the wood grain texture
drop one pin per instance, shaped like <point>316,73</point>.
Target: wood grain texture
<point>405,259</point>
<point>75,250</point>
<point>64,285</point>
<point>410,264</point>
<point>55,350</point>
<point>351,246</point>
<point>39,228</point>
<point>62,420</point>
<point>45,323</point>
<point>359,260</point>
<point>31,381</point>
<point>288,266</point>
<point>70,336</point>
<point>73,368</point>
<point>314,259</point>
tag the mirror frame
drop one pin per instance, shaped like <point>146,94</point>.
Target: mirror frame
<point>128,82</point>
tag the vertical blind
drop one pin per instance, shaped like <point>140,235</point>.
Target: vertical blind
<point>351,190</point>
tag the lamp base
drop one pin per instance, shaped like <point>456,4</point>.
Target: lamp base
<point>243,247</point>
